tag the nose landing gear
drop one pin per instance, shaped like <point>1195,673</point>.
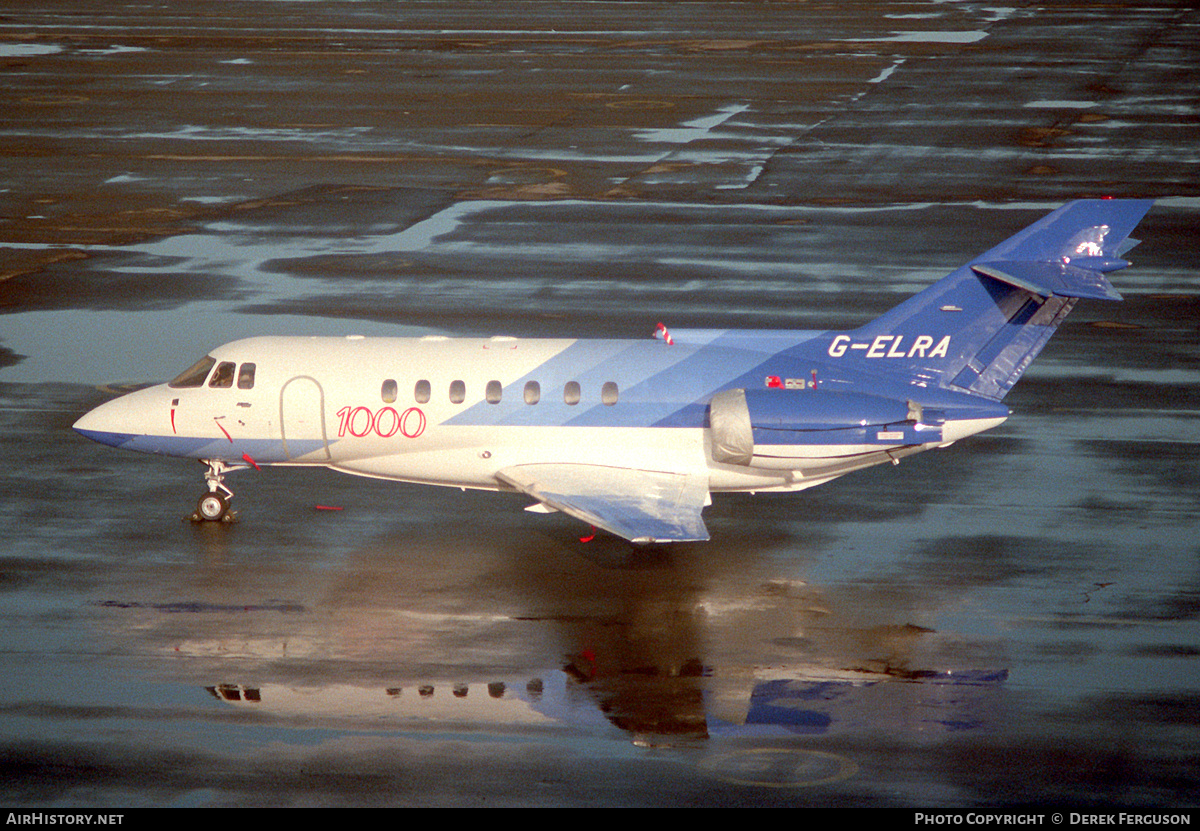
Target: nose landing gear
<point>213,506</point>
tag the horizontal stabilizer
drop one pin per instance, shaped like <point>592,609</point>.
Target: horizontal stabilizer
<point>638,505</point>
<point>1054,279</point>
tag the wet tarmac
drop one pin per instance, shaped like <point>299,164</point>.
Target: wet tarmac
<point>1012,621</point>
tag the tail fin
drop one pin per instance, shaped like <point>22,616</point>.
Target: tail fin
<point>981,326</point>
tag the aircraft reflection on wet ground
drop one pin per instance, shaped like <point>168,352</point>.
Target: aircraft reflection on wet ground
<point>656,710</point>
<point>640,643</point>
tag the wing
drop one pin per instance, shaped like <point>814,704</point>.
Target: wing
<point>639,505</point>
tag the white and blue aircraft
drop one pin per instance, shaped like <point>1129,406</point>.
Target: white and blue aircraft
<point>633,436</point>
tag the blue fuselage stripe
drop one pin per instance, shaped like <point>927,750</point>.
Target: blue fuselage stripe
<point>659,385</point>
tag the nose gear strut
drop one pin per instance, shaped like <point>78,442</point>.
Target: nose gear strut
<point>213,506</point>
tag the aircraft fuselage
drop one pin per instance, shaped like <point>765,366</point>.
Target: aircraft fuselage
<point>455,411</point>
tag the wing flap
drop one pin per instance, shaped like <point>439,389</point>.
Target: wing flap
<point>638,505</point>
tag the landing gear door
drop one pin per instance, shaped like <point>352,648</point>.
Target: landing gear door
<point>302,420</point>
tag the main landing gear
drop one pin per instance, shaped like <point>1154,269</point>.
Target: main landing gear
<point>214,504</point>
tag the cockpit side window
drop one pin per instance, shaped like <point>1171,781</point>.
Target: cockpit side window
<point>222,378</point>
<point>246,376</point>
<point>194,375</point>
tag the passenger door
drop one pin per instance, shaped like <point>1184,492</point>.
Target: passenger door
<point>302,420</point>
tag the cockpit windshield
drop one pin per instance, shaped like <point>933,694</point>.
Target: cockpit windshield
<point>194,375</point>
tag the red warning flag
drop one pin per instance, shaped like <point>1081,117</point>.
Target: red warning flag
<point>661,332</point>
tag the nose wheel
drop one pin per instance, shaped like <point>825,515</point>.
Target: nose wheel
<point>213,506</point>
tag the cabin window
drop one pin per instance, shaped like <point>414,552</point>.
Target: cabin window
<point>493,392</point>
<point>388,392</point>
<point>421,392</point>
<point>194,375</point>
<point>608,393</point>
<point>458,392</point>
<point>533,392</point>
<point>222,377</point>
<point>246,376</point>
<point>571,392</point>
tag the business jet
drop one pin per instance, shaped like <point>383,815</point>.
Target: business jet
<point>634,436</point>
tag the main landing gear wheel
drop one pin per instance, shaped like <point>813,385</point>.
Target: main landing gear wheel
<point>214,504</point>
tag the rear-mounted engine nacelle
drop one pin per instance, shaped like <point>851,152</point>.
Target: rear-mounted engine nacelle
<point>739,419</point>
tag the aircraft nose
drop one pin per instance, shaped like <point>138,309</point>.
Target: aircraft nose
<point>111,423</point>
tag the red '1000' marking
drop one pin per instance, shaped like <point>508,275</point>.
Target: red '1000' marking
<point>384,422</point>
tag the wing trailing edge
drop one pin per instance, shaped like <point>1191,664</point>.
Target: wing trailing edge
<point>639,505</point>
